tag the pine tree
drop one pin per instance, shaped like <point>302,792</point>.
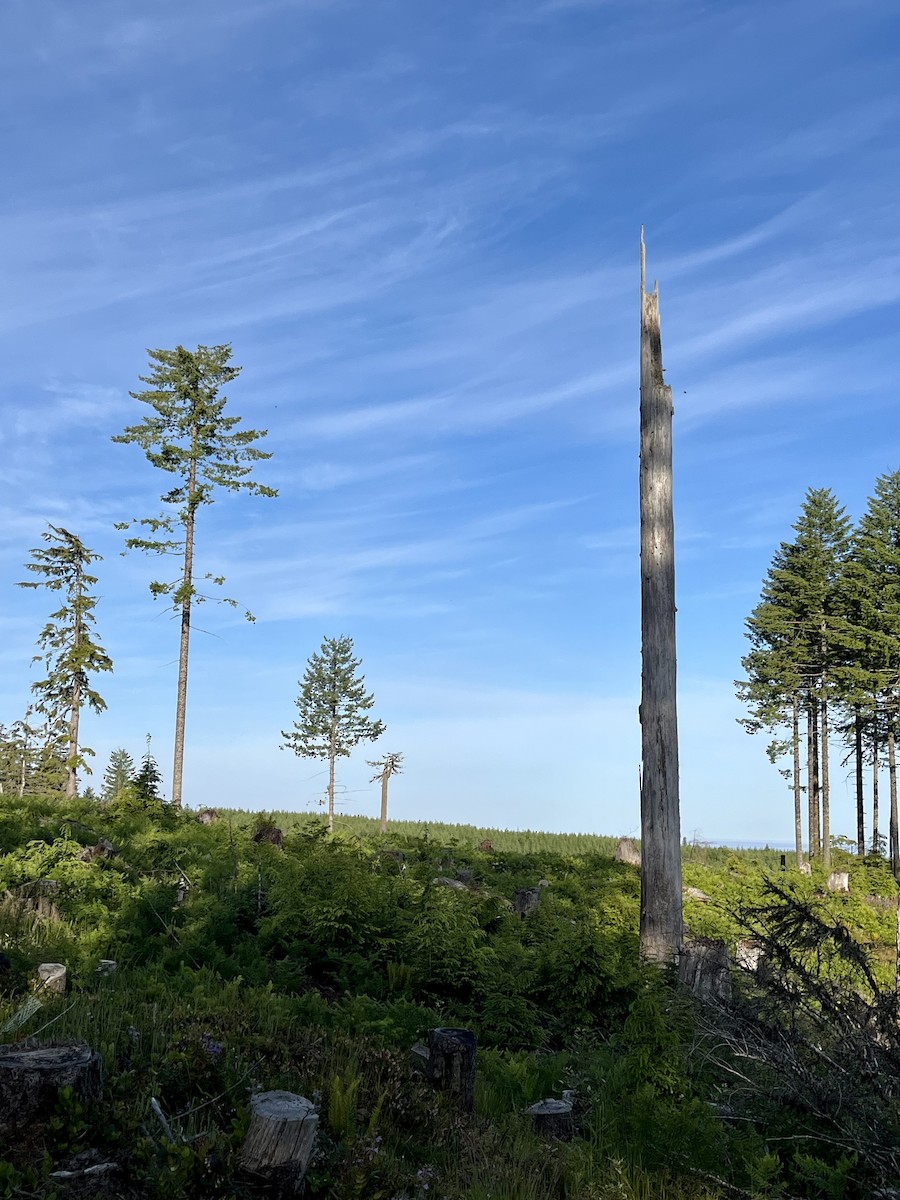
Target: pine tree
<point>70,653</point>
<point>388,765</point>
<point>147,781</point>
<point>189,436</point>
<point>800,634</point>
<point>333,704</point>
<point>877,555</point>
<point>118,774</point>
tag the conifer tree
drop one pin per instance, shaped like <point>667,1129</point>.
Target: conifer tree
<point>147,780</point>
<point>118,774</point>
<point>333,706</point>
<point>189,436</point>
<point>877,555</point>
<point>70,653</point>
<point>799,634</point>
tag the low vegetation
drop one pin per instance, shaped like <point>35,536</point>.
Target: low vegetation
<point>258,951</point>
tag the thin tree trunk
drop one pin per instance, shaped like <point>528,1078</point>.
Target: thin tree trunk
<point>812,778</point>
<point>384,799</point>
<point>798,802</point>
<point>892,776</point>
<point>187,597</point>
<point>332,754</point>
<point>661,926</point>
<point>826,797</point>
<point>71,770</point>
<point>75,698</point>
<point>876,837</point>
<point>860,797</point>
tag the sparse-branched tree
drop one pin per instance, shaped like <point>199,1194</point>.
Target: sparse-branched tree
<point>69,652</point>
<point>386,766</point>
<point>147,781</point>
<point>333,705</point>
<point>189,436</point>
<point>118,774</point>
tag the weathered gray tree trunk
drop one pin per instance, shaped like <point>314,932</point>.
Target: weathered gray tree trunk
<point>332,755</point>
<point>661,915</point>
<point>384,800</point>
<point>280,1140</point>
<point>451,1064</point>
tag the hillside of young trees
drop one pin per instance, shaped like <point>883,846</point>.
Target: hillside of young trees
<point>822,678</point>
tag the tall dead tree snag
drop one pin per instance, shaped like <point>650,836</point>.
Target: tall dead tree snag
<point>661,916</point>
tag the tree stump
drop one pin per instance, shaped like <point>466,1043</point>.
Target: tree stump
<point>486,845</point>
<point>52,978</point>
<point>553,1119</point>
<point>31,1076</point>
<point>703,966</point>
<point>627,852</point>
<point>526,900</point>
<point>280,1140</point>
<point>748,956</point>
<point>839,881</point>
<point>805,869</point>
<point>451,1063</point>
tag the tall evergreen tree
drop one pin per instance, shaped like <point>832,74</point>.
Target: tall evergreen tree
<point>799,633</point>
<point>70,653</point>
<point>189,436</point>
<point>118,774</point>
<point>877,555</point>
<point>333,705</point>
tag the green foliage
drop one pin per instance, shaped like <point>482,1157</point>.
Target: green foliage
<point>70,653</point>
<point>118,774</point>
<point>333,705</point>
<point>309,966</point>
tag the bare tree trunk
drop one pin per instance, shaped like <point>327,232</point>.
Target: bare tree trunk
<point>798,804</point>
<point>876,838</point>
<point>860,797</point>
<point>892,777</point>
<point>826,798</point>
<point>384,798</point>
<point>187,588</point>
<point>332,754</point>
<point>812,777</point>
<point>661,930</point>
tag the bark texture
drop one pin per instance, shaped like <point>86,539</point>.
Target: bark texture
<point>553,1119</point>
<point>451,1064</point>
<point>32,1074</point>
<point>661,913</point>
<point>280,1140</point>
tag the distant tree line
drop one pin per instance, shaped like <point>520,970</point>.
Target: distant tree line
<point>823,670</point>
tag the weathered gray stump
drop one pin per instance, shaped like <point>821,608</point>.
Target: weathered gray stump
<point>692,893</point>
<point>553,1119</point>
<point>280,1140</point>
<point>805,869</point>
<point>748,956</point>
<point>52,977</point>
<point>703,966</point>
<point>451,1063</point>
<point>526,900</point>
<point>627,852</point>
<point>31,1076</point>
<point>839,881</point>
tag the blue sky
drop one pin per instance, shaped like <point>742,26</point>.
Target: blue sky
<point>417,222</point>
